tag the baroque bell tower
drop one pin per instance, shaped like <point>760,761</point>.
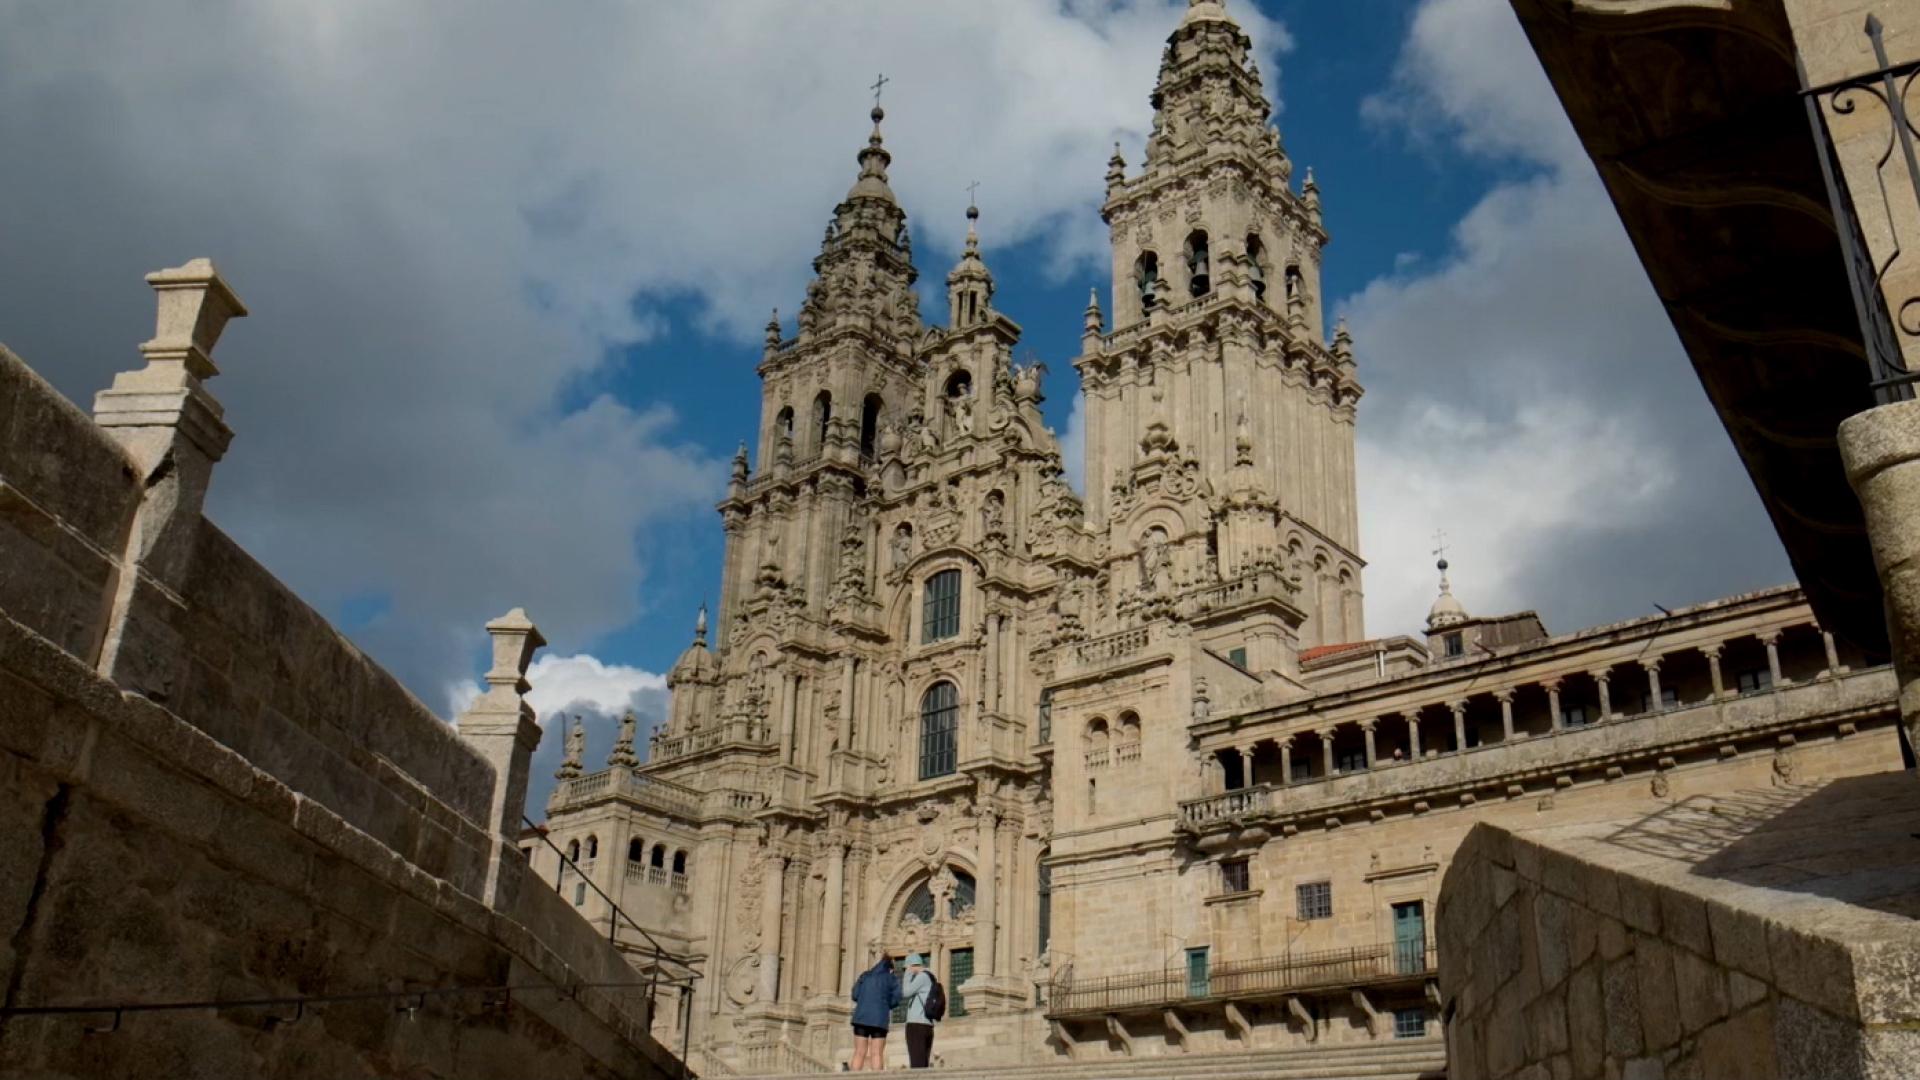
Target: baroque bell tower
<point>1214,395</point>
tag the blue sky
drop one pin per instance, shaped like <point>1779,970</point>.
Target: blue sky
<point>508,276</point>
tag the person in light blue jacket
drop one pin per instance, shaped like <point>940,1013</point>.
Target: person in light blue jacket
<point>875,993</point>
<point>917,985</point>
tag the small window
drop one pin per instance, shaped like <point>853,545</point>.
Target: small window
<point>636,849</point>
<point>940,610</point>
<point>1573,716</point>
<point>593,847</point>
<point>1314,899</point>
<point>579,894</point>
<point>1754,681</point>
<point>1354,760</point>
<point>679,862</point>
<point>1456,644</point>
<point>1410,1023</point>
<point>573,850</point>
<point>1239,657</point>
<point>1234,877</point>
<point>659,855</point>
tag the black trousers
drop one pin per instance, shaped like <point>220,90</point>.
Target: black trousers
<point>919,1045</point>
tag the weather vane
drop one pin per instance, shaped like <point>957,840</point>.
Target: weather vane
<point>878,83</point>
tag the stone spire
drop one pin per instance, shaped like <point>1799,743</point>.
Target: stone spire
<point>970,283</point>
<point>864,275</point>
<point>1209,89</point>
<point>623,755</point>
<point>576,745</point>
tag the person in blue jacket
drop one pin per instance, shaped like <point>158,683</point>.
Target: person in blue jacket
<point>875,993</point>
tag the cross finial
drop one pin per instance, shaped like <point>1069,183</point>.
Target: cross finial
<point>878,84</point>
<point>1440,542</point>
<point>973,193</point>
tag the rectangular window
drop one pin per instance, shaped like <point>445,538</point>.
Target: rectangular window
<point>1456,644</point>
<point>1198,982</point>
<point>940,607</point>
<point>1233,876</point>
<point>1573,716</point>
<point>1239,657</point>
<point>1302,770</point>
<point>1046,906</point>
<point>1046,717</point>
<point>1354,760</point>
<point>959,970</point>
<point>1410,1023</point>
<point>1314,899</point>
<point>1756,680</point>
<point>579,894</point>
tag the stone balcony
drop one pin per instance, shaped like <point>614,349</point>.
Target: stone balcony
<point>732,734</point>
<point>1543,761</point>
<point>651,792</point>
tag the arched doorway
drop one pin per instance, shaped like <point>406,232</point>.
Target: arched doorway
<point>933,916</point>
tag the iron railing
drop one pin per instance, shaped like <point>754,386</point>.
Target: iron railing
<point>1265,976</point>
<point>1891,381</point>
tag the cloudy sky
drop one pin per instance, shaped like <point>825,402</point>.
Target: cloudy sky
<point>509,264</point>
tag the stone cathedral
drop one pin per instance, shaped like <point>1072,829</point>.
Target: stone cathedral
<point>1126,767</point>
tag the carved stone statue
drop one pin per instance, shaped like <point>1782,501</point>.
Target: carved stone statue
<point>1156,570</point>
<point>902,546</point>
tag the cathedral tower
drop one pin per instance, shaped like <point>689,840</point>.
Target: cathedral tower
<point>1215,379</point>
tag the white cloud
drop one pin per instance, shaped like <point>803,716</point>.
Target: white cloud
<point>446,216</point>
<point>1526,392</point>
<point>1073,444</point>
<point>565,684</point>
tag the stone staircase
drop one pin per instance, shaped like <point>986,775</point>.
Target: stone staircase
<point>1402,1059</point>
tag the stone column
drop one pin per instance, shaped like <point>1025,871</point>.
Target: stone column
<point>1366,728</point>
<point>1833,654</point>
<point>1246,767</point>
<point>1771,640</point>
<point>1412,717</point>
<point>1505,698</point>
<point>1326,749</point>
<point>1712,653</point>
<point>173,434</point>
<point>770,915</point>
<point>985,900</point>
<point>1459,710</point>
<point>834,917</point>
<point>501,726</point>
<point>1654,704</point>
<point>1286,760</point>
<point>1553,704</point>
<point>789,716</point>
<point>1881,450</point>
<point>847,684</point>
<point>1600,677</point>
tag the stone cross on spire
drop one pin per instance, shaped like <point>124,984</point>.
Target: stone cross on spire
<point>878,84</point>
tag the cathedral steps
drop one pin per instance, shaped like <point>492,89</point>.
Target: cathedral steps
<point>1409,1059</point>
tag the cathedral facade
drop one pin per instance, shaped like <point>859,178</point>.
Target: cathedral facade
<point>1125,766</point>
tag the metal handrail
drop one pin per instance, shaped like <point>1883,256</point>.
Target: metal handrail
<point>1245,978</point>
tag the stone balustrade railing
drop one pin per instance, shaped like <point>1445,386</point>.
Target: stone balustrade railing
<point>1103,650</point>
<point>1619,742</point>
<point>733,732</point>
<point>650,791</point>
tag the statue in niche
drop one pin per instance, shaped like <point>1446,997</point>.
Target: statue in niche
<point>902,546</point>
<point>993,516</point>
<point>1156,568</point>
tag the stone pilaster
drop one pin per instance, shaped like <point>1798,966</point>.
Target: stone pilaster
<point>1881,450</point>
<point>501,726</point>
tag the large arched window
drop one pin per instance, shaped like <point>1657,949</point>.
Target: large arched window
<point>939,730</point>
<point>1256,266</point>
<point>920,905</point>
<point>659,855</point>
<point>636,849</point>
<point>1146,278</point>
<point>940,607</point>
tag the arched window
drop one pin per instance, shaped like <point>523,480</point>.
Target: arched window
<point>1130,726</point>
<point>939,730</point>
<point>636,849</point>
<point>1256,265</point>
<point>593,847</point>
<point>659,855</point>
<point>1146,278</point>
<point>870,424</point>
<point>822,416</point>
<point>940,607</point>
<point>1044,909</point>
<point>1199,272</point>
<point>573,850</point>
<point>1097,735</point>
<point>920,903</point>
<point>679,862</point>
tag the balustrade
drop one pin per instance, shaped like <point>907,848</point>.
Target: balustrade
<point>1113,646</point>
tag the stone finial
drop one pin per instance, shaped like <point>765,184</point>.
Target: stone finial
<point>165,398</point>
<point>773,333</point>
<point>576,745</point>
<point>1095,321</point>
<point>623,755</point>
<point>1342,342</point>
<point>515,639</point>
<point>502,727</point>
<point>700,627</point>
<point>195,304</point>
<point>740,463</point>
<point>1116,168</point>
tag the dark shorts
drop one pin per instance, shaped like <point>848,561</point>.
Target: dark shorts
<point>868,1031</point>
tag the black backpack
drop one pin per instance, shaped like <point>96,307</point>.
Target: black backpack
<point>936,1006</point>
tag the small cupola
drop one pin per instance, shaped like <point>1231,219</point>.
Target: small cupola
<point>970,284</point>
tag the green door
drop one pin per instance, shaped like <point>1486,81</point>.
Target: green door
<point>959,970</point>
<point>1409,938</point>
<point>1197,981</point>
